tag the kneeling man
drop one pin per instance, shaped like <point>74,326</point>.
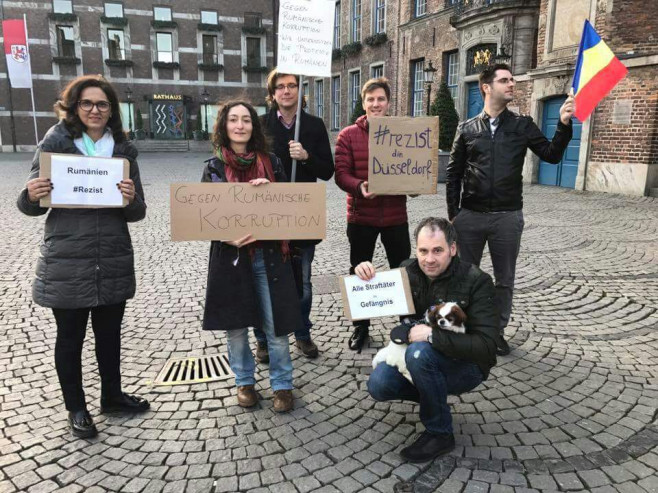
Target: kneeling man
<point>440,362</point>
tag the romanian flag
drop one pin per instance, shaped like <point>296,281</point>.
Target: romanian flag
<point>598,70</point>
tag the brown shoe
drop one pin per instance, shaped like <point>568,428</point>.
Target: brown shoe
<point>283,400</point>
<point>262,356</point>
<point>247,396</point>
<point>307,347</point>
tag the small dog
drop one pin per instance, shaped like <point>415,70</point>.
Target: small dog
<point>446,316</point>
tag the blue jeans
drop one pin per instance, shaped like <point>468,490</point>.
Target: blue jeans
<point>434,375</point>
<point>240,356</point>
<point>303,334</point>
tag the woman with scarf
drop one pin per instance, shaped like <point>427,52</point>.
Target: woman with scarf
<point>86,257</point>
<point>250,283</point>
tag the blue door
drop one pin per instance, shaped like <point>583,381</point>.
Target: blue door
<point>475,103</point>
<point>564,173</point>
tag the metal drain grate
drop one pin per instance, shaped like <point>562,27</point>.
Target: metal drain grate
<point>185,371</point>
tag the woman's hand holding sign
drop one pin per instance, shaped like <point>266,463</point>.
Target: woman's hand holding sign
<point>38,188</point>
<point>127,189</point>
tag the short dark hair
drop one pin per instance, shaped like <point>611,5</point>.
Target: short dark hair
<point>257,142</point>
<point>488,74</point>
<point>377,83</point>
<point>272,78</point>
<point>437,224</point>
<point>66,106</point>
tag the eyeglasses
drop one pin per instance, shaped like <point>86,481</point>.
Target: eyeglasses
<point>86,105</point>
<point>283,87</point>
<point>506,80</point>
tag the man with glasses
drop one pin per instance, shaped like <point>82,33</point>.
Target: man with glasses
<point>484,180</point>
<point>314,160</point>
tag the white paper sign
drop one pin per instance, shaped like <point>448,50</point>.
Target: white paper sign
<point>80,180</point>
<point>385,295</point>
<point>306,29</point>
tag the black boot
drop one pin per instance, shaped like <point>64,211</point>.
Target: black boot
<point>82,426</point>
<point>124,404</point>
<point>503,348</point>
<point>358,339</point>
<point>428,446</point>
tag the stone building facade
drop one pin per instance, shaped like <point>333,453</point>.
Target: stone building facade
<point>615,150</point>
<point>169,60</point>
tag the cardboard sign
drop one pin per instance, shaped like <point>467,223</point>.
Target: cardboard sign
<point>387,294</point>
<point>230,211</point>
<point>83,181</point>
<point>403,155</point>
<point>306,30</point>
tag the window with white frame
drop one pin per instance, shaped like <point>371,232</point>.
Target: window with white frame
<point>65,41</point>
<point>305,89</point>
<point>420,7</point>
<point>164,47</point>
<point>162,14</point>
<point>209,17</point>
<point>377,71</point>
<point>319,98</point>
<point>417,87</point>
<point>113,10</point>
<point>380,16</point>
<point>127,116</point>
<point>356,21</point>
<point>253,53</point>
<point>209,47</point>
<point>116,44</point>
<point>453,73</point>
<point>208,116</point>
<point>62,6</point>
<point>253,19</point>
<point>337,26</point>
<point>354,89</point>
<point>335,103</point>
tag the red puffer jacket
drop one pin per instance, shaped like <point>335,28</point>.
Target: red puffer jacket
<point>352,169</point>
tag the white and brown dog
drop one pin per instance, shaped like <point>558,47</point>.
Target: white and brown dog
<point>446,316</point>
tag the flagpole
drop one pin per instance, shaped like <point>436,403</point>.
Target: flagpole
<point>297,124</point>
<point>29,62</point>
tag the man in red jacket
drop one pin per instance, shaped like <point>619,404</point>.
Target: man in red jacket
<point>369,215</point>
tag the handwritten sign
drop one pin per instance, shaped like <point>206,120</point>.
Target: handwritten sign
<point>82,181</point>
<point>403,155</point>
<point>229,211</point>
<point>387,294</point>
<point>306,37</point>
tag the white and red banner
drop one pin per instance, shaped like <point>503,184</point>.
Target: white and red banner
<point>17,53</point>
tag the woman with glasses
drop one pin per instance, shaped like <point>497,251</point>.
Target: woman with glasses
<point>86,257</point>
<point>250,283</point>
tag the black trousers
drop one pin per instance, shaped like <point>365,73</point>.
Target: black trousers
<point>502,232</point>
<point>71,329</point>
<point>363,240</point>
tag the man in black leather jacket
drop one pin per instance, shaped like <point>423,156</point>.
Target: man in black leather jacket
<point>484,181</point>
<point>440,362</point>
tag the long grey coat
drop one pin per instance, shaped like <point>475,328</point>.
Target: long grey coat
<point>86,257</point>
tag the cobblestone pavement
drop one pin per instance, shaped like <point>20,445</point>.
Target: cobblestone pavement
<point>573,407</point>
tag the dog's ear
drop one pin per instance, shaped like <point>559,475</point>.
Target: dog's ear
<point>432,315</point>
<point>460,313</point>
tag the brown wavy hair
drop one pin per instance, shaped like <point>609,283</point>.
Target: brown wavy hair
<point>272,79</point>
<point>257,142</point>
<point>66,106</point>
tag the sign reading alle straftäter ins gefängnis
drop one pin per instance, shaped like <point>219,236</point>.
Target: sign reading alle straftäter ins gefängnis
<point>403,155</point>
<point>229,211</point>
<point>82,181</point>
<point>385,295</point>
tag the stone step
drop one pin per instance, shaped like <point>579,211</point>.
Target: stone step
<point>161,145</point>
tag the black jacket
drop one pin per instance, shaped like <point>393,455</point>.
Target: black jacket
<point>313,137</point>
<point>231,301</point>
<point>473,290</point>
<point>485,174</point>
<point>86,256</point>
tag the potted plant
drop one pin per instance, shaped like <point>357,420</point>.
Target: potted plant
<point>140,134</point>
<point>358,110</point>
<point>444,107</point>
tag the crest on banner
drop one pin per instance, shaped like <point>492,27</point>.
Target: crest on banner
<point>19,53</point>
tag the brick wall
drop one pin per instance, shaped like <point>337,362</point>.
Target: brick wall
<point>637,142</point>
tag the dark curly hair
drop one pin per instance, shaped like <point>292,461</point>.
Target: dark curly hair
<point>66,106</point>
<point>257,142</point>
